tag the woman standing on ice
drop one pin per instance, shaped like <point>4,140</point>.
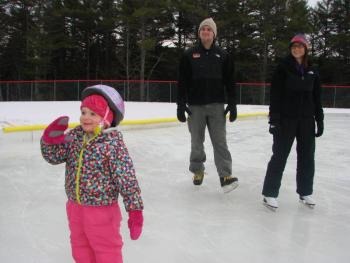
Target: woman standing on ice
<point>295,106</point>
<point>98,169</point>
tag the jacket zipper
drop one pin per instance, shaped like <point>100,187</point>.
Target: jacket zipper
<point>207,62</point>
<point>301,99</point>
<point>80,164</point>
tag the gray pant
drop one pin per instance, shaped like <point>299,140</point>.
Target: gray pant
<point>211,115</point>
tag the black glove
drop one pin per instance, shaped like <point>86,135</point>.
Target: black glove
<point>275,123</point>
<point>274,128</point>
<point>181,108</point>
<point>319,128</point>
<point>232,108</point>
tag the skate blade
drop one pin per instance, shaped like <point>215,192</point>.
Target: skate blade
<point>272,208</point>
<point>229,188</point>
<point>311,206</point>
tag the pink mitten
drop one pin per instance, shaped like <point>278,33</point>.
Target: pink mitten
<point>54,133</point>
<point>135,223</point>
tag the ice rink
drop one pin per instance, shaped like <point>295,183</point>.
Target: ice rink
<point>184,223</point>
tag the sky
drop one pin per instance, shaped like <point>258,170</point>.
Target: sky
<point>312,2</point>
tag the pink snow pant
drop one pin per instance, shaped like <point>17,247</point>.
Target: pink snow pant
<point>95,233</point>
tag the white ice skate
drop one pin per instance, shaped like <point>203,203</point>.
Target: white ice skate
<point>271,203</point>
<point>307,200</point>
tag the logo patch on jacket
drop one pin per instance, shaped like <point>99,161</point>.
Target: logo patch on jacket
<point>196,55</point>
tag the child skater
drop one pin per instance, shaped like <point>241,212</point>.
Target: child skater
<point>98,169</point>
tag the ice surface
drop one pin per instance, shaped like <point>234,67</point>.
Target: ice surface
<point>184,223</point>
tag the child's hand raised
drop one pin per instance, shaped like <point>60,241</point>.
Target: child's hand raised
<point>54,133</point>
<point>135,223</point>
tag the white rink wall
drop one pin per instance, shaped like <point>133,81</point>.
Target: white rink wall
<point>29,113</point>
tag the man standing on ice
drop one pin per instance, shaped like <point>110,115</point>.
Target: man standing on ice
<point>206,80</point>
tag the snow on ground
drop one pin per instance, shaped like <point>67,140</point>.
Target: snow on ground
<point>183,223</point>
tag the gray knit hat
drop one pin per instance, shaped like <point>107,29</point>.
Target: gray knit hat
<point>210,23</point>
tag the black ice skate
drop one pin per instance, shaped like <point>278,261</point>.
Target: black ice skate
<point>198,178</point>
<point>228,183</point>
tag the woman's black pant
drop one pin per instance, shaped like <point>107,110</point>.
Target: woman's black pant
<point>304,132</point>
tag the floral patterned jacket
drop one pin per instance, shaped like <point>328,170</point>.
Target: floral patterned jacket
<point>97,170</point>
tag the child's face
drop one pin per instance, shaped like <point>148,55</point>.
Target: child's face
<point>89,120</point>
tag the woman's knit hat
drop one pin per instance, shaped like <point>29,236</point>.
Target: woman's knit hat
<point>104,101</point>
<point>299,38</point>
<point>210,23</point>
